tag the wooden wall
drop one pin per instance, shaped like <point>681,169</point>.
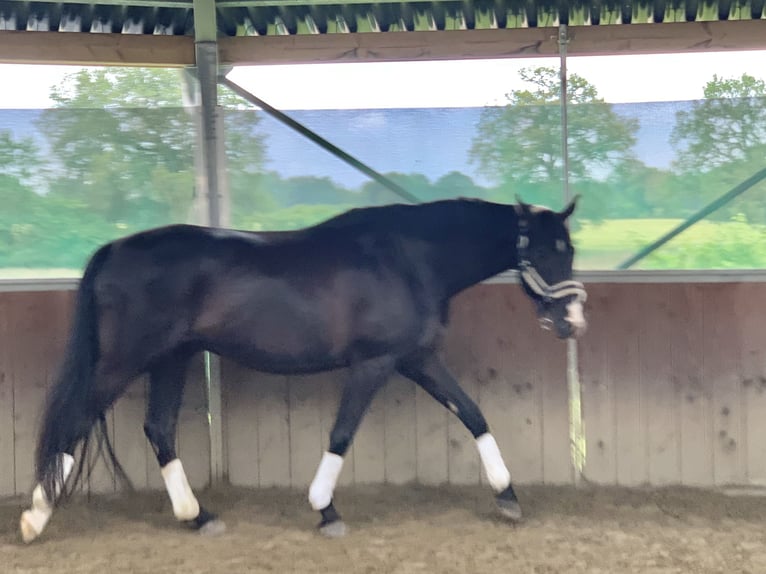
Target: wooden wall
<point>673,380</point>
<point>673,392</point>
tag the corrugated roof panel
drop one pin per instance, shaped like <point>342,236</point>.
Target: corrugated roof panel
<point>288,17</point>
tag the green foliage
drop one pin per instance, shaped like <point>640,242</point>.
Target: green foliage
<point>124,152</point>
<point>722,139</point>
<point>734,244</point>
<point>521,142</point>
<point>728,125</point>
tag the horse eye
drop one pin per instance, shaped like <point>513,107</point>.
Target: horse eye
<point>561,245</point>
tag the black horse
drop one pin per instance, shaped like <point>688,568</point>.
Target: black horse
<point>368,290</point>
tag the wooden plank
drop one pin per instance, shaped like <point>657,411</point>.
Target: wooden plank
<point>658,393</point>
<point>676,37</point>
<point>529,347</point>
<point>7,454</point>
<point>39,326</point>
<point>240,423</point>
<point>721,371</point>
<point>598,389</point>
<point>623,358</point>
<point>695,392</point>
<point>272,402</point>
<point>130,444</point>
<point>752,315</point>
<point>83,48</point>
<point>551,366</point>
<point>431,421</point>
<point>330,387</point>
<point>370,444</point>
<point>305,429</point>
<point>400,431</point>
<point>492,344</point>
<point>193,435</point>
<point>462,357</point>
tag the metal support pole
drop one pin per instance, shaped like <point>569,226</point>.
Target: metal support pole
<point>319,140</point>
<point>212,156</point>
<point>576,425</point>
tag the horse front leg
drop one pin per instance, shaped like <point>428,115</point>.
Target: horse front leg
<point>429,372</point>
<point>364,381</point>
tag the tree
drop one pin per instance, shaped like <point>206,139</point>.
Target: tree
<point>455,184</point>
<point>721,140</point>
<point>124,143</point>
<point>520,144</point>
<point>729,124</point>
<point>416,184</point>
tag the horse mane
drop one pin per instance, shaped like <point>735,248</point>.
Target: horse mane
<point>424,220</point>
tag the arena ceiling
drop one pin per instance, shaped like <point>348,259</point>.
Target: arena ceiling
<point>162,32</point>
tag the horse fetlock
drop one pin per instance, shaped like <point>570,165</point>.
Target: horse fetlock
<point>323,485</point>
<point>185,504</point>
<point>497,473</point>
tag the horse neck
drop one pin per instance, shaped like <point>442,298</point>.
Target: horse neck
<point>473,254</point>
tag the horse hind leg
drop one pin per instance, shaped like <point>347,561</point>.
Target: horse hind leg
<point>166,384</point>
<point>34,520</point>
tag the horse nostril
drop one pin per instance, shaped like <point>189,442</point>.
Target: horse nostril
<point>546,323</point>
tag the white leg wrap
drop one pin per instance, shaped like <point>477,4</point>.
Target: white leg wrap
<point>497,473</point>
<point>323,485</point>
<point>34,520</point>
<point>185,505</point>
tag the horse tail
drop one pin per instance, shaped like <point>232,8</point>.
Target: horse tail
<point>69,416</point>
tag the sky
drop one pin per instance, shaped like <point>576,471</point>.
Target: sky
<point>465,83</point>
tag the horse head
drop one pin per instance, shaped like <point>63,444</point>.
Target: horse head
<point>545,255</point>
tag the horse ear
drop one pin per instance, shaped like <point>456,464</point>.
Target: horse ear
<point>521,207</point>
<point>569,209</point>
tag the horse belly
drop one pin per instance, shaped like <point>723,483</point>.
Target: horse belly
<point>280,334</point>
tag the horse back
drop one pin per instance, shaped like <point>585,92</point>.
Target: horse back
<point>282,302</point>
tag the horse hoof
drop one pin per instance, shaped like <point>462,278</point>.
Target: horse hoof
<point>212,528</point>
<point>334,529</point>
<point>510,510</point>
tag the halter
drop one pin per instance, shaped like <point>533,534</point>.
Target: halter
<point>534,280</point>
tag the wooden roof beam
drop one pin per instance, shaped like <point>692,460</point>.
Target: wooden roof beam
<point>83,48</point>
<point>677,37</point>
<point>174,51</point>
